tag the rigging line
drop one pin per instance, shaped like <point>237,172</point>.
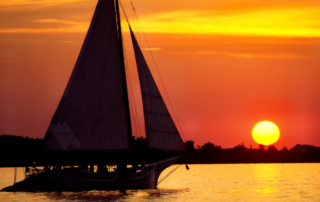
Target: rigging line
<point>135,16</point>
<point>138,32</point>
<point>125,15</point>
<point>130,93</point>
<point>135,113</point>
<point>15,175</point>
<point>126,95</point>
<point>167,175</point>
<point>127,70</point>
<point>24,171</point>
<point>161,80</point>
<point>132,5</point>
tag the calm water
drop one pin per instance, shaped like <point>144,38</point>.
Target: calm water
<point>229,182</point>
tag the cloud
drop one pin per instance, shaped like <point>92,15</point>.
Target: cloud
<point>72,27</point>
<point>45,16</point>
<point>52,20</point>
<point>282,22</point>
<point>150,48</point>
<point>244,55</point>
<point>244,18</point>
<point>36,2</point>
<point>269,55</point>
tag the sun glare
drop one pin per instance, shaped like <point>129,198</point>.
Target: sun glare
<point>265,132</point>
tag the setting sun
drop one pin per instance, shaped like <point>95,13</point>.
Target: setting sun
<point>265,133</point>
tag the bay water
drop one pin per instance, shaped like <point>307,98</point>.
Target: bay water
<point>211,182</point>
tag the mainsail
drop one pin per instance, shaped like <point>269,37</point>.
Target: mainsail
<point>93,113</point>
<point>161,131</point>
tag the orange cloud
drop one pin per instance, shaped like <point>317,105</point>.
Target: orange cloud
<point>150,48</point>
<point>288,22</point>
<point>243,18</point>
<point>246,55</point>
<point>36,2</point>
<point>72,27</point>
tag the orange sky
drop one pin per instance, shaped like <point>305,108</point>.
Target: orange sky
<point>226,64</point>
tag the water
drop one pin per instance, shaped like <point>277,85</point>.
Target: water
<point>216,182</point>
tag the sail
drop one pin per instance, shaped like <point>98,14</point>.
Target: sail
<point>161,131</point>
<point>93,112</point>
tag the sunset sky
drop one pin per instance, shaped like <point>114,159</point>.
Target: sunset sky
<point>226,64</point>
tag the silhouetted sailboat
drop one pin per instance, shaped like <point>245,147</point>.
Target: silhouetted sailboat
<point>91,128</point>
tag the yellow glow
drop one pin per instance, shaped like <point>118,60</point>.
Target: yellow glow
<point>265,132</point>
<point>283,21</point>
<point>292,22</point>
<point>151,49</point>
<point>39,2</point>
<point>74,27</point>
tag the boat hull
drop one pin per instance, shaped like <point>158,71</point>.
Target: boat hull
<point>76,180</point>
<point>144,180</point>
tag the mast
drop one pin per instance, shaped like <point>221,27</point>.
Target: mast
<point>124,71</point>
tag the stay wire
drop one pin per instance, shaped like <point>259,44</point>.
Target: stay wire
<point>135,113</point>
<point>135,22</point>
<point>167,175</point>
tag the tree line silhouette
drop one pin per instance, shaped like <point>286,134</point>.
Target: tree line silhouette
<point>211,153</point>
<point>210,146</point>
<point>17,150</point>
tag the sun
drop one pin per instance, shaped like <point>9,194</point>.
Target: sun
<point>265,132</point>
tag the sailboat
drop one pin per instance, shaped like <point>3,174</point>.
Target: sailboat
<point>89,143</point>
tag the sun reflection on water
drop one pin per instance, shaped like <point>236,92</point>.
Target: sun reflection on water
<point>266,176</point>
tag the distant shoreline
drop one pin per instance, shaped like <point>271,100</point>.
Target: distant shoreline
<point>235,156</point>
<point>17,151</point>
